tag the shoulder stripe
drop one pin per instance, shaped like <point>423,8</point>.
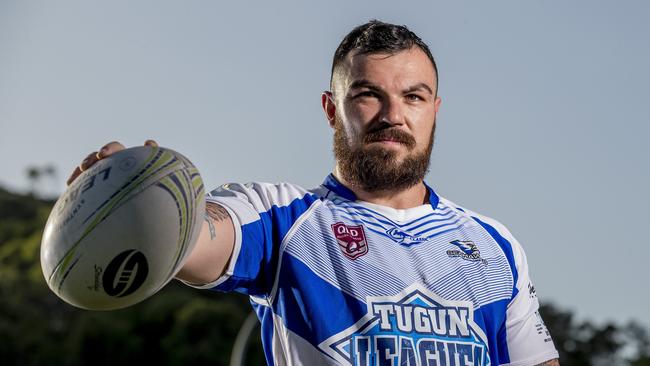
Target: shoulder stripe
<point>505,245</point>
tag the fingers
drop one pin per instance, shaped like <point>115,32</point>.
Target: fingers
<point>91,159</point>
<point>95,156</point>
<point>74,175</point>
<point>110,148</point>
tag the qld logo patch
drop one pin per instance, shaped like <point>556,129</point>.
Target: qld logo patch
<point>413,328</point>
<point>351,239</point>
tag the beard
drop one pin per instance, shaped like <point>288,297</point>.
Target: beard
<point>374,168</point>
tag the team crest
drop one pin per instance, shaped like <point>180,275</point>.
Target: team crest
<point>415,327</point>
<point>468,251</point>
<point>351,239</point>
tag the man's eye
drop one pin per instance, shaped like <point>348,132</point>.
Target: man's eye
<point>414,98</point>
<point>366,94</point>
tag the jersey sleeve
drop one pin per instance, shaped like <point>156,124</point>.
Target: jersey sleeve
<point>262,215</point>
<point>528,341</point>
<point>523,339</point>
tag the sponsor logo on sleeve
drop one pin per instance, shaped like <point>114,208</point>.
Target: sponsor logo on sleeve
<point>532,294</point>
<point>415,327</point>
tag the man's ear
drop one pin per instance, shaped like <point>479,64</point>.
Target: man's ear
<point>327,101</point>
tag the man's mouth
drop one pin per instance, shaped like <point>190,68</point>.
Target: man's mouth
<point>390,137</point>
<point>388,141</point>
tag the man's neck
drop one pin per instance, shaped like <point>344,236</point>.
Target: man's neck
<point>414,196</point>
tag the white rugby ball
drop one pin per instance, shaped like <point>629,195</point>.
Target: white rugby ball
<point>123,229</point>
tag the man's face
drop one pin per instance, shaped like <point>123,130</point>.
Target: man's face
<point>383,110</point>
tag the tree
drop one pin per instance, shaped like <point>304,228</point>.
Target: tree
<point>33,175</point>
<point>585,343</point>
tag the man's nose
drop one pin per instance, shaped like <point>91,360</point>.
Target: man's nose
<point>392,112</point>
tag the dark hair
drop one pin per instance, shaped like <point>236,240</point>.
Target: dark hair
<point>379,37</point>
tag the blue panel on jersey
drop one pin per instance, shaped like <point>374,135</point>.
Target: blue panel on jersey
<point>433,197</point>
<point>304,298</point>
<point>492,318</point>
<point>265,315</point>
<point>507,249</point>
<point>334,185</point>
<point>256,265</point>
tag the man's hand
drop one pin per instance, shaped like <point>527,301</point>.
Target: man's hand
<point>95,156</point>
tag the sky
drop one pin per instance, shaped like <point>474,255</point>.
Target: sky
<point>543,124</point>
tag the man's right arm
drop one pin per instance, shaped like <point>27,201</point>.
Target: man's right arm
<point>211,254</point>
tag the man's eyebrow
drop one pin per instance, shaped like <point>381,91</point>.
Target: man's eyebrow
<point>419,86</point>
<point>363,83</point>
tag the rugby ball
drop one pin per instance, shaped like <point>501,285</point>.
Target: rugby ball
<point>123,228</point>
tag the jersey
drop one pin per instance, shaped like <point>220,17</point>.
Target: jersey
<point>338,281</point>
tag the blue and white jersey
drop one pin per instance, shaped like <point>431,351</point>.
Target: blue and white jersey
<point>337,281</point>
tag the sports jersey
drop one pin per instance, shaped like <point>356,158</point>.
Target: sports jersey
<point>338,281</point>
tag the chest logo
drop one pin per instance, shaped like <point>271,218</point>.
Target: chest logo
<point>416,328</point>
<point>468,251</point>
<point>403,238</point>
<point>351,239</point>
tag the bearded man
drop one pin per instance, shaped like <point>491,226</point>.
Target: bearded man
<point>372,267</point>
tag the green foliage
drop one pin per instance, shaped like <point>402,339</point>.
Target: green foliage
<point>21,215</point>
<point>177,326</point>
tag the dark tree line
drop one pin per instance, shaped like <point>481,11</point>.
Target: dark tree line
<point>182,326</point>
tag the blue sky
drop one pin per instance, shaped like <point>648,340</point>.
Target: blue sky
<point>543,123</point>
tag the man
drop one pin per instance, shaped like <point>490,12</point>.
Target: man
<point>372,267</point>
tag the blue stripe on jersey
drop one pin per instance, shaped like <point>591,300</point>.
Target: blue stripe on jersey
<point>507,250</point>
<point>256,265</point>
<point>491,318</point>
<point>433,197</point>
<point>377,216</point>
<point>494,323</point>
<point>448,212</point>
<point>437,227</point>
<point>334,185</point>
<point>303,298</point>
<point>265,315</point>
<point>383,231</point>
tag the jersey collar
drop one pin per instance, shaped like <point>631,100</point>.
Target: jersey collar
<point>334,185</point>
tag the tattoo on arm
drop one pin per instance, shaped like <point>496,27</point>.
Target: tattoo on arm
<point>213,234</point>
<point>216,211</point>
<point>554,362</point>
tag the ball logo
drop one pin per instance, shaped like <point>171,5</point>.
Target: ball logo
<point>127,163</point>
<point>125,273</point>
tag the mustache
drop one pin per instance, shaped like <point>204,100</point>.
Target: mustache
<point>390,133</point>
